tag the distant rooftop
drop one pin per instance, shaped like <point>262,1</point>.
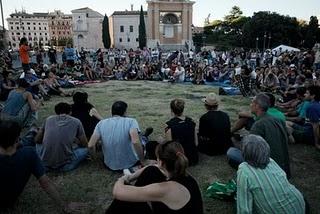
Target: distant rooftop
<point>127,13</point>
<point>28,15</point>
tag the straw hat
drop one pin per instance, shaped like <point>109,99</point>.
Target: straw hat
<point>211,99</point>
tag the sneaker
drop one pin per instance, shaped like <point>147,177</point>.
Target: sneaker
<point>148,131</point>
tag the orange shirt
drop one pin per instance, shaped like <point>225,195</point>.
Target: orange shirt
<point>24,55</point>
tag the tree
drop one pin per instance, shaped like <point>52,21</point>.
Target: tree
<point>106,33</point>
<point>142,31</point>
<point>312,32</point>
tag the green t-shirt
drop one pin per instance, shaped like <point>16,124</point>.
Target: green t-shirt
<point>276,113</point>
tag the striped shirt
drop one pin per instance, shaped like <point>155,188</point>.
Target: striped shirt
<point>267,191</point>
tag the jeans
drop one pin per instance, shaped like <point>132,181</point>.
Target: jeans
<point>79,155</point>
<point>234,156</point>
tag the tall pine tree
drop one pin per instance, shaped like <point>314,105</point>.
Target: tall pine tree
<point>142,31</point>
<point>105,32</point>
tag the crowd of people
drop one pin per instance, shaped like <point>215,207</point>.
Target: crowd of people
<point>285,109</point>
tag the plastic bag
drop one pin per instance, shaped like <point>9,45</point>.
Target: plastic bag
<point>222,191</point>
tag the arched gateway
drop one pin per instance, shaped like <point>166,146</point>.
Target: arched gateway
<point>169,24</point>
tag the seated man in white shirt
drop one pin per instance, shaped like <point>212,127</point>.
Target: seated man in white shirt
<point>180,73</point>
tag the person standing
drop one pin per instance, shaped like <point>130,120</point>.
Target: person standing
<point>52,53</point>
<point>24,54</point>
<point>70,55</point>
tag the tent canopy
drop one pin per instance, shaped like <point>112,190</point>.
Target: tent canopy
<point>284,48</point>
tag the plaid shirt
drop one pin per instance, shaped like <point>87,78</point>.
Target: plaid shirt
<point>245,84</point>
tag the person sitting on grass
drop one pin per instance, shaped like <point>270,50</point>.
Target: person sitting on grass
<point>247,119</point>
<point>262,186</point>
<point>20,105</point>
<point>309,131</point>
<point>162,188</point>
<point>214,128</point>
<point>183,130</point>
<point>273,130</point>
<point>53,87</point>
<point>85,112</point>
<point>16,166</point>
<point>121,144</point>
<point>61,142</point>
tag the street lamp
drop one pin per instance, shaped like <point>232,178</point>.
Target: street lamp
<point>269,40</point>
<point>257,42</point>
<point>204,40</point>
<point>264,41</point>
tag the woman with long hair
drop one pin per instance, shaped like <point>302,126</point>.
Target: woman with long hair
<point>163,188</point>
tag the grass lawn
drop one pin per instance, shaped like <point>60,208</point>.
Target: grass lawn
<point>149,104</point>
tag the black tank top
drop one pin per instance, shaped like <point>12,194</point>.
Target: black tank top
<point>194,205</point>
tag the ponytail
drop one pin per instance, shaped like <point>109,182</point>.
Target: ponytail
<point>172,155</point>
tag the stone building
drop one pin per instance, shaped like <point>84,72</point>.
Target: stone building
<point>170,24</point>
<point>124,28</point>
<point>34,27</point>
<point>60,28</point>
<point>87,29</point>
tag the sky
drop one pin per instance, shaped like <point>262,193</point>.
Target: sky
<point>302,9</point>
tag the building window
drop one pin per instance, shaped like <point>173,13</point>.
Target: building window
<point>131,29</point>
<point>39,28</point>
<point>120,39</point>
<point>28,23</point>
<point>22,28</point>
<point>17,28</point>
<point>45,33</point>
<point>121,29</point>
<point>34,23</point>
<point>52,22</point>
<point>12,34</point>
<point>87,15</point>
<point>28,28</point>
<point>11,23</point>
<point>137,39</point>
<point>34,28</point>
<point>128,39</point>
<point>35,34</point>
<point>29,34</point>
<point>40,34</point>
<point>53,32</point>
<point>39,23</point>
<point>18,33</point>
<point>11,28</point>
<point>45,28</point>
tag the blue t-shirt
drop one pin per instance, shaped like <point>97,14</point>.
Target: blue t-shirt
<point>15,173</point>
<point>14,103</point>
<point>117,146</point>
<point>302,109</point>
<point>313,112</point>
<point>70,53</point>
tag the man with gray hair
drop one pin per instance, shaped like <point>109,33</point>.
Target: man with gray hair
<point>262,186</point>
<point>271,129</point>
